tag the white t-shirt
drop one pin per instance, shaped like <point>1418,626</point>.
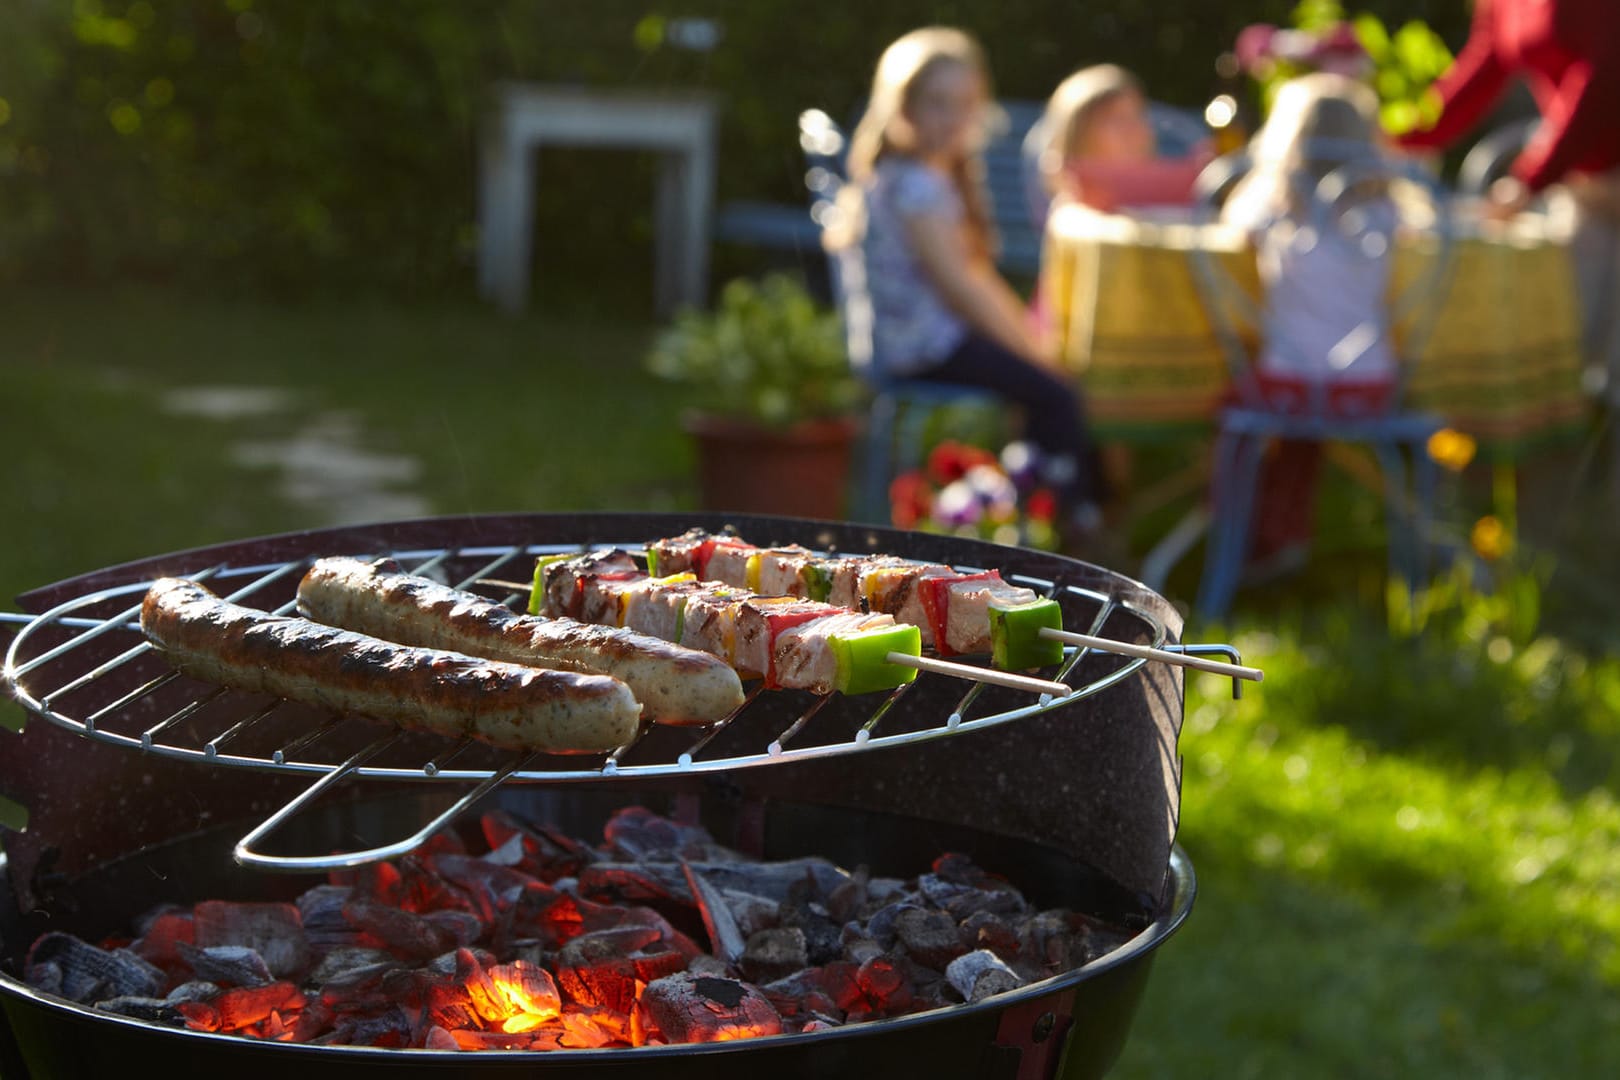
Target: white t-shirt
<point>1326,304</point>
<point>913,328</point>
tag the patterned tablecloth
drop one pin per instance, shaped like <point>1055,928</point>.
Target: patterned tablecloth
<point>1502,361</point>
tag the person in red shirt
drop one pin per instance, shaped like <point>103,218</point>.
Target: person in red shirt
<point>1569,53</point>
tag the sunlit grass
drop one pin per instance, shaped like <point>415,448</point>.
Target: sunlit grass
<point>500,415</point>
<point>1373,903</point>
<point>1500,851</point>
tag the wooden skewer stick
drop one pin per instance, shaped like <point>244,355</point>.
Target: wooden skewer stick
<point>974,673</point>
<point>1145,652</point>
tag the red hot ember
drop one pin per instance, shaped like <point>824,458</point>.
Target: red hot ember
<point>545,942</point>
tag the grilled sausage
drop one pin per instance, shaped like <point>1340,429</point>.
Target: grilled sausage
<point>506,705</point>
<point>674,684</point>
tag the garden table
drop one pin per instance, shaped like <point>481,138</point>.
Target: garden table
<point>1502,361</point>
<point>680,127</point>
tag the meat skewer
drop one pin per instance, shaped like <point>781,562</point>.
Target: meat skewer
<point>788,642</point>
<point>957,613</point>
<point>675,685</point>
<point>505,705</point>
<point>962,613</point>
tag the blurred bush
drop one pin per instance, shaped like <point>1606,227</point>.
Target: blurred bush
<point>286,145</point>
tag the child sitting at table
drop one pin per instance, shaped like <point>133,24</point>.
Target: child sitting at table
<point>916,246</point>
<point>1325,334</point>
<point>1095,146</point>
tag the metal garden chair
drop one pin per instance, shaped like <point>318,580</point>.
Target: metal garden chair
<point>1489,158</point>
<point>1246,428</point>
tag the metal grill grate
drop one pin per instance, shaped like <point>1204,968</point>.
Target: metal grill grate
<point>85,667</point>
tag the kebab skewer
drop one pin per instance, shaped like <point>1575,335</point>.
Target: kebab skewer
<point>789,642</point>
<point>957,613</point>
<point>963,613</point>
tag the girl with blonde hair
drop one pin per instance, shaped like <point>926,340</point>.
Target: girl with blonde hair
<point>1095,145</point>
<point>916,248</point>
<point>1326,343</point>
<point>1325,291</point>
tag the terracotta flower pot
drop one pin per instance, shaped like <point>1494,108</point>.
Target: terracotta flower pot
<point>801,470</point>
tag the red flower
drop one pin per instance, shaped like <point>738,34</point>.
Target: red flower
<point>1041,505</point>
<point>950,461</point>
<point>910,499</point>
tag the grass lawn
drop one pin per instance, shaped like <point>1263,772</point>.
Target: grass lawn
<point>1408,851</point>
<point>448,411</point>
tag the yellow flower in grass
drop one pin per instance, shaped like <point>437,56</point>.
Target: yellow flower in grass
<point>1452,449</point>
<point>1490,538</point>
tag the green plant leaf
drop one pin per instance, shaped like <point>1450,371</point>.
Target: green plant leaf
<point>1421,52</point>
<point>1369,30</point>
<point>767,352</point>
<point>1318,15</point>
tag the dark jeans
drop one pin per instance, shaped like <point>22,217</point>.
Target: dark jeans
<point>1053,412</point>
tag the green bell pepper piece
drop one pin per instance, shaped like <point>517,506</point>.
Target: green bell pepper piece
<point>862,658</point>
<point>537,594</point>
<point>817,582</point>
<point>1015,635</point>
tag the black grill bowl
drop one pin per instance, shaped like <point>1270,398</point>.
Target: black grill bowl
<point>1078,807</point>
<point>1076,1022</point>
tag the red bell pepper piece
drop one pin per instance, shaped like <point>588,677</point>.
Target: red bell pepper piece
<point>936,599</point>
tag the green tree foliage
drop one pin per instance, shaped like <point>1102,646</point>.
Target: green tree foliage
<point>286,144</point>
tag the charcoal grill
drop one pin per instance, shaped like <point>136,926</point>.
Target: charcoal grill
<point>1091,779</point>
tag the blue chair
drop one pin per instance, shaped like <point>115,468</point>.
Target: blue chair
<point>1488,159</point>
<point>901,409</point>
<point>1246,428</point>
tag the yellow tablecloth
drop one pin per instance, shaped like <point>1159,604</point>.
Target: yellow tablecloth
<point>1502,361</point>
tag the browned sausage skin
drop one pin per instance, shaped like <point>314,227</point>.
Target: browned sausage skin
<point>506,705</point>
<point>676,685</point>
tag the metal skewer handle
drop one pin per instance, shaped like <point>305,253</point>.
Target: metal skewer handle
<point>1147,652</point>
